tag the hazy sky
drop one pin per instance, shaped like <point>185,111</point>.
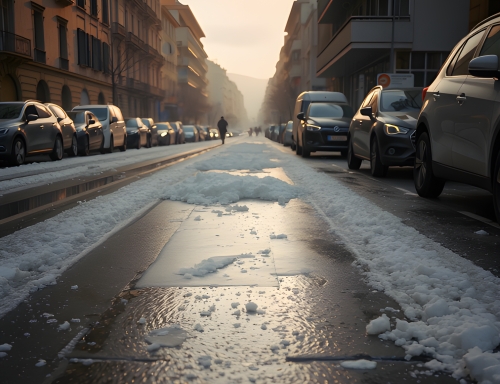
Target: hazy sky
<point>243,36</point>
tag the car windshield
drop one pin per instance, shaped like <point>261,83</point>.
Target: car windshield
<point>100,113</point>
<point>77,117</point>
<point>401,101</point>
<point>188,128</point>
<point>330,110</point>
<point>147,122</point>
<point>131,123</point>
<point>10,111</point>
<point>162,126</point>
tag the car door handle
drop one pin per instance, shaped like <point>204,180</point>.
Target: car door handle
<point>41,126</point>
<point>436,94</point>
<point>461,98</point>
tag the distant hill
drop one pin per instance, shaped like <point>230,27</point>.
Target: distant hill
<point>253,91</point>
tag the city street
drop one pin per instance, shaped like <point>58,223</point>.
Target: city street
<point>242,263</point>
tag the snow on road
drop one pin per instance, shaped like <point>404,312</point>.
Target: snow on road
<point>452,306</point>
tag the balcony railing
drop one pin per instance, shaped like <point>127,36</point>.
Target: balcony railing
<point>118,29</point>
<point>10,42</point>
<point>40,56</point>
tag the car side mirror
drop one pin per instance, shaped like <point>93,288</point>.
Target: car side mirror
<point>32,117</point>
<point>484,66</point>
<point>114,119</point>
<point>91,121</point>
<point>301,116</point>
<point>367,111</point>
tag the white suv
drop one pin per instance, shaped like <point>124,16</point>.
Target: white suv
<point>113,125</point>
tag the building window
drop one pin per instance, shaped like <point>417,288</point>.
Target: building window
<point>80,3</point>
<point>93,8</point>
<point>38,32</point>
<point>105,58</point>
<point>63,43</point>
<point>423,65</point>
<point>105,11</point>
<point>96,54</point>
<point>83,48</point>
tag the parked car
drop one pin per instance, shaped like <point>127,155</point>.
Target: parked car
<point>458,130</point>
<point>191,133</point>
<point>166,134</point>
<point>215,133</point>
<point>89,132</point>
<point>382,129</point>
<point>209,135</point>
<point>153,129</point>
<point>67,128</point>
<point>268,131</point>
<point>113,125</point>
<point>287,136</point>
<point>274,132</point>
<point>324,127</point>
<point>138,134</point>
<point>28,128</point>
<point>302,104</point>
<point>201,132</point>
<point>179,132</point>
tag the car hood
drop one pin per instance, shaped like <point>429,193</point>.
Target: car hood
<point>328,122</point>
<point>406,120</point>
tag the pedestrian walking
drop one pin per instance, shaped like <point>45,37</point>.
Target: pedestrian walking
<point>250,131</point>
<point>222,125</point>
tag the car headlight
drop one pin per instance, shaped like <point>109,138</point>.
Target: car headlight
<point>394,130</point>
<point>163,134</point>
<point>4,131</point>
<point>311,127</point>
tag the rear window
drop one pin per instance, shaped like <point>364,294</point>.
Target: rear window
<point>77,117</point>
<point>188,128</point>
<point>401,101</point>
<point>331,110</point>
<point>10,111</point>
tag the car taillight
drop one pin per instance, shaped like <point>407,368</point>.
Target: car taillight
<point>424,92</point>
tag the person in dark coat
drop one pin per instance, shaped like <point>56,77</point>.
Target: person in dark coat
<point>222,125</point>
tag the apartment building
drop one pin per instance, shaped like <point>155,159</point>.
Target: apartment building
<point>225,99</point>
<point>191,64</point>
<point>136,59</point>
<point>358,39</point>
<point>55,51</point>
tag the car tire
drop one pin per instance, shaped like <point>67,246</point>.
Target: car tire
<point>298,149</point>
<point>343,153</point>
<point>111,145</point>
<point>86,150</point>
<point>149,143</point>
<point>426,184</point>
<point>377,168</point>
<point>57,151</point>
<point>73,150</point>
<point>496,188</point>
<point>138,143</point>
<point>18,154</point>
<point>123,148</point>
<point>305,151</point>
<point>353,162</point>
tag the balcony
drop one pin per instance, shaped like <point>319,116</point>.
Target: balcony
<point>361,40</point>
<point>118,29</point>
<point>10,42</point>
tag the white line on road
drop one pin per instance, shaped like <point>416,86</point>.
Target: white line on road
<point>480,218</point>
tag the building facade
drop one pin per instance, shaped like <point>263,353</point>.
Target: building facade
<point>191,65</point>
<point>55,51</point>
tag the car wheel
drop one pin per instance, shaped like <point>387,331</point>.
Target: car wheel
<point>377,168</point>
<point>86,149</point>
<point>353,162</point>
<point>305,151</point>
<point>149,144</point>
<point>123,148</point>
<point>18,154</point>
<point>73,150</point>
<point>111,145</point>
<point>426,184</point>
<point>298,148</point>
<point>496,188</point>
<point>138,143</point>
<point>343,153</point>
<point>57,151</point>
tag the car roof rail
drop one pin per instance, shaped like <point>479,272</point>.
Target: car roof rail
<point>485,21</point>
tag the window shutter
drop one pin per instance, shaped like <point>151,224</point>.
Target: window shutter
<point>105,58</point>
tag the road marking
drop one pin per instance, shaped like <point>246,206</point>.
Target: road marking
<point>480,218</point>
<point>407,192</point>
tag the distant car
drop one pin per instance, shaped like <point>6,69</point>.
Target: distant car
<point>113,125</point>
<point>89,131</point>
<point>28,128</point>
<point>324,127</point>
<point>148,122</point>
<point>287,136</point>
<point>67,128</point>
<point>201,132</point>
<point>191,133</point>
<point>214,133</point>
<point>458,130</point>
<point>179,132</point>
<point>166,134</point>
<point>382,129</point>
<point>208,133</point>
<point>138,134</point>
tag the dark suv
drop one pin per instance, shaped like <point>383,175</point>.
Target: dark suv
<point>29,128</point>
<point>458,130</point>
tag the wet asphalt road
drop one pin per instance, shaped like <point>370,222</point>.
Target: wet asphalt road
<point>308,317</point>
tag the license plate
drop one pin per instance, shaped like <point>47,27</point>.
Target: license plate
<point>337,138</point>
